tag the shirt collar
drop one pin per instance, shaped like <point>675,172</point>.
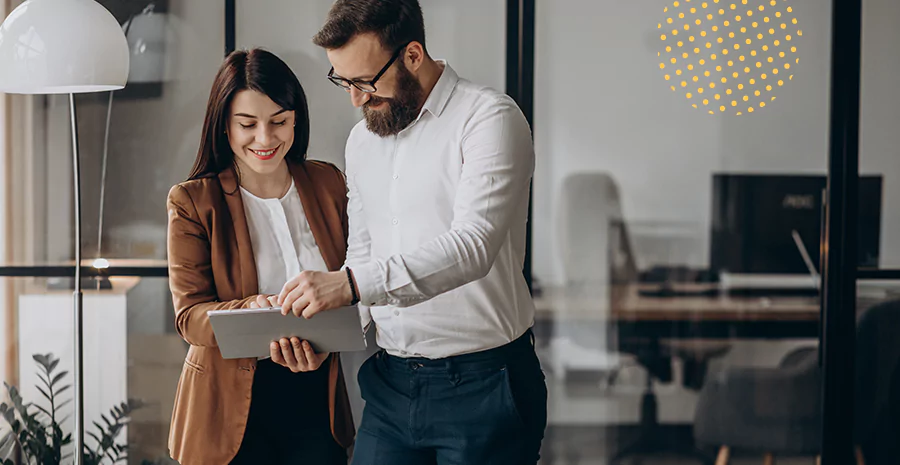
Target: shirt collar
<point>442,91</point>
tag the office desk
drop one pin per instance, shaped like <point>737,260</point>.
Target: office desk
<point>634,315</point>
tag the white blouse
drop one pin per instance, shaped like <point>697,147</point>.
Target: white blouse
<point>283,244</point>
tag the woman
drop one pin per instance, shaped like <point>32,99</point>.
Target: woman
<point>253,214</point>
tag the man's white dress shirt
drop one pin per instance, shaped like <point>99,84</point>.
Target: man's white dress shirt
<point>437,223</point>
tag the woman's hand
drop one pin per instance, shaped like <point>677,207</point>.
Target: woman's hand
<point>296,355</point>
<point>263,301</point>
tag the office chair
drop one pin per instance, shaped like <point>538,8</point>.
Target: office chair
<point>589,211</point>
<point>777,411</point>
<point>598,262</point>
<point>656,356</point>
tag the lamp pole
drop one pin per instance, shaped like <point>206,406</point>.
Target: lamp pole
<point>77,294</point>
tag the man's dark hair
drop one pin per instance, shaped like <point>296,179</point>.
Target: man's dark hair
<point>395,22</point>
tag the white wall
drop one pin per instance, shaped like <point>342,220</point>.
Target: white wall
<point>601,104</point>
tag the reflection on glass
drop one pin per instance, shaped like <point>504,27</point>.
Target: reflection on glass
<point>675,250</point>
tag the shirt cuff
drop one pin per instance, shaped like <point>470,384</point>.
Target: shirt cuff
<point>369,283</point>
<point>365,317</point>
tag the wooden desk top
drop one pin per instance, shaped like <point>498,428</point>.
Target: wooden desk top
<point>555,304</point>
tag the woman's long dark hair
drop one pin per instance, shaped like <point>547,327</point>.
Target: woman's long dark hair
<point>258,70</point>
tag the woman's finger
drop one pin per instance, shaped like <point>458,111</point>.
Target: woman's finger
<point>275,353</point>
<point>287,352</point>
<point>311,355</point>
<point>303,362</point>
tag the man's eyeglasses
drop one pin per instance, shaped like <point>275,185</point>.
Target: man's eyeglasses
<point>364,86</point>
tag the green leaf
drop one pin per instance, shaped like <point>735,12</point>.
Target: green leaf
<point>41,409</point>
<point>7,445</point>
<point>63,389</point>
<point>53,362</point>
<point>9,416</point>
<point>94,437</point>
<point>114,430</point>
<point>106,420</point>
<point>44,380</point>
<point>42,360</point>
<point>44,393</point>
<point>63,404</point>
<point>58,377</point>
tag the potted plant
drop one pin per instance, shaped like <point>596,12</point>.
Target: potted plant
<point>35,431</point>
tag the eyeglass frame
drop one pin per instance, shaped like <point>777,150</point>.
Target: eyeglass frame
<point>337,80</point>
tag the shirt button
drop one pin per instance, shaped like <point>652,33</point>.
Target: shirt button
<point>402,352</point>
<point>396,312</point>
<point>395,221</point>
<point>396,176</point>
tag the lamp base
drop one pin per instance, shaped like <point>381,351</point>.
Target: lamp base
<point>87,283</point>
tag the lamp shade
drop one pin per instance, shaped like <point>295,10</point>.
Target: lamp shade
<point>62,47</point>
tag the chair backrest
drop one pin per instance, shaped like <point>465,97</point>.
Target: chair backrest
<point>594,252</point>
<point>594,247</point>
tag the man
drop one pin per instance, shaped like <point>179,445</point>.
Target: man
<point>438,174</point>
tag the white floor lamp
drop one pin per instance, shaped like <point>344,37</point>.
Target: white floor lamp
<point>65,47</point>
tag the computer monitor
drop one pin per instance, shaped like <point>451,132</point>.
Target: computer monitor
<point>754,218</point>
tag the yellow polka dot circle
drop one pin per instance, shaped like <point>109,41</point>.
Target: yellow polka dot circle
<point>728,56</point>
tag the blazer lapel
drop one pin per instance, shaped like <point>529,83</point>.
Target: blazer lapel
<point>247,271</point>
<point>313,211</point>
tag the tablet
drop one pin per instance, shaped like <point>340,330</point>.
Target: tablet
<point>247,333</point>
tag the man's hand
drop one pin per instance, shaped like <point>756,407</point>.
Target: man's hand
<point>314,291</point>
<point>296,355</point>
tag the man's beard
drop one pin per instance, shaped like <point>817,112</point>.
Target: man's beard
<point>401,109</point>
